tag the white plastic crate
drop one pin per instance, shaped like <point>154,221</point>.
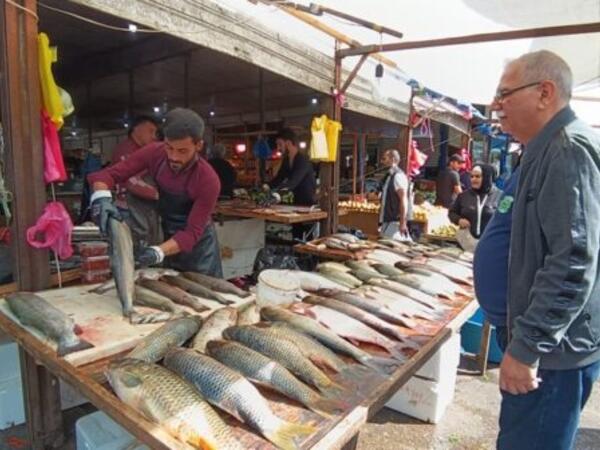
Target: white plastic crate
<point>97,431</point>
<point>9,356</point>
<point>240,241</point>
<point>12,411</point>
<point>423,399</point>
<point>444,361</point>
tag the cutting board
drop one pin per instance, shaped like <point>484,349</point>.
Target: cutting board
<point>101,320</point>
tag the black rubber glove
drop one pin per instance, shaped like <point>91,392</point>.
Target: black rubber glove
<point>149,256</point>
<point>102,210</point>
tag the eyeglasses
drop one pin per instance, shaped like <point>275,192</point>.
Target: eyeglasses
<point>502,94</point>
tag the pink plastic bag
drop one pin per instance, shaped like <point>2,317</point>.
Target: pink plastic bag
<point>54,166</point>
<point>53,229</point>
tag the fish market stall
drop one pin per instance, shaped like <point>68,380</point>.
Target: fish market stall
<point>386,316</point>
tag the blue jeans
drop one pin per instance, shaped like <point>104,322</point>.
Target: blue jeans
<point>548,417</point>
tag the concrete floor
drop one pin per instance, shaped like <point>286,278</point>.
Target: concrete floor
<point>470,422</point>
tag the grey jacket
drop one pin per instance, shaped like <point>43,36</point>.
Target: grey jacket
<point>554,280</point>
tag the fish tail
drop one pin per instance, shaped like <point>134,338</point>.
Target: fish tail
<point>137,318</point>
<point>64,349</point>
<point>333,389</point>
<point>396,352</point>
<point>355,374</point>
<point>382,365</point>
<point>284,436</point>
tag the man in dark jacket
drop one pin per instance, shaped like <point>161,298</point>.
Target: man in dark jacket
<point>552,357</point>
<point>223,169</point>
<point>296,172</point>
<point>394,198</point>
<point>448,182</point>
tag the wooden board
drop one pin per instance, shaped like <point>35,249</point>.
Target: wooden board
<point>276,213</point>
<point>101,319</point>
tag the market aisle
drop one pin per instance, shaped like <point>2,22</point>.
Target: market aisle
<point>470,422</point>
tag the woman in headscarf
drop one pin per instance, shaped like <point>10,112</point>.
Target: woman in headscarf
<point>474,208</point>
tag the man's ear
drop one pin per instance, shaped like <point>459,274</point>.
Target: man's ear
<point>199,145</point>
<point>548,93</point>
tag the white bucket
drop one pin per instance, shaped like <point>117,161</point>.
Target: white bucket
<point>276,288</point>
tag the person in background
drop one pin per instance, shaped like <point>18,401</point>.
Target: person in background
<point>394,198</point>
<point>224,169</point>
<point>136,197</point>
<point>474,208</point>
<point>296,171</point>
<point>448,182</point>
<point>188,191</point>
<point>552,356</point>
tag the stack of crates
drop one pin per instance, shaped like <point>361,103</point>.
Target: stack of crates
<point>95,262</point>
<point>97,431</point>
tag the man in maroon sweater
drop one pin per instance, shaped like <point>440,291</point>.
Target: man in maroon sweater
<point>188,190</point>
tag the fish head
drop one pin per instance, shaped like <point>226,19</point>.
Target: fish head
<point>273,313</point>
<point>217,345</point>
<point>126,377</point>
<point>231,332</point>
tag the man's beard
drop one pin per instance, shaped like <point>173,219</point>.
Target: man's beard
<point>175,166</point>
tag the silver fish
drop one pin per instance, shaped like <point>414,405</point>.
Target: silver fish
<point>388,269</point>
<point>407,291</point>
<point>342,278</point>
<point>122,263</point>
<point>174,293</point>
<point>231,392</point>
<point>149,273</point>
<point>213,327</point>
<point>216,284</point>
<point>153,347</point>
<point>196,289</point>
<point>263,370</point>
<point>32,310</point>
<point>332,265</point>
<point>327,337</point>
<point>151,299</point>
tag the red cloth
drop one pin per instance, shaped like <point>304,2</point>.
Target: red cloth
<point>136,185</point>
<point>416,160</point>
<point>466,156</point>
<point>198,181</point>
<point>54,166</point>
<point>53,229</point>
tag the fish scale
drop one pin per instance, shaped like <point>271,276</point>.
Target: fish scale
<point>231,392</point>
<point>261,369</point>
<point>172,402</point>
<point>281,350</point>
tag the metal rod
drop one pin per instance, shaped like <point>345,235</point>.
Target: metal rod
<point>475,38</point>
<point>352,75</point>
<point>365,23</point>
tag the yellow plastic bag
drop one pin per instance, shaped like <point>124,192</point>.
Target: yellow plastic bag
<point>318,144</point>
<point>51,100</point>
<point>332,130</point>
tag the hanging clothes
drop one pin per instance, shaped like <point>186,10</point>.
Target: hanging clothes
<point>51,98</point>
<point>54,165</point>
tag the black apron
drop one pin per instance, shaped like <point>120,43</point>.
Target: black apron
<point>205,257</point>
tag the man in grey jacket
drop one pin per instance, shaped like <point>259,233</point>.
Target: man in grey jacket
<point>552,356</point>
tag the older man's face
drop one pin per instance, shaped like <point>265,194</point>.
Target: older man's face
<point>516,103</point>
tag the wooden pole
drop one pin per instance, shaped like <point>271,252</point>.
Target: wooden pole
<point>354,163</point>
<point>21,106</point>
<point>411,110</point>
<point>476,38</point>
<point>262,163</point>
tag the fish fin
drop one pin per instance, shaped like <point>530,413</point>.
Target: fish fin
<point>138,318</point>
<point>321,362</point>
<point>64,349</point>
<point>381,365</point>
<point>354,373</point>
<point>284,436</point>
<point>328,407</point>
<point>397,353</point>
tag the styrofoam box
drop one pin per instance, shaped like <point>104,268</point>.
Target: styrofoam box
<point>423,399</point>
<point>12,410</point>
<point>444,361</point>
<point>97,431</point>
<point>240,241</point>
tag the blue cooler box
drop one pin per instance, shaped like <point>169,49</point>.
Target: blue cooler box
<point>470,334</point>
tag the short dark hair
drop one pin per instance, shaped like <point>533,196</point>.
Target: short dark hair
<point>181,123</point>
<point>138,120</point>
<point>287,134</point>
<point>456,158</point>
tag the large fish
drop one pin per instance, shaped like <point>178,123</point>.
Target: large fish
<point>213,327</point>
<point>282,351</point>
<point>231,392</point>
<point>332,265</point>
<point>122,263</point>
<point>153,347</point>
<point>349,328</point>
<point>259,368</point>
<point>149,273</point>
<point>359,314</point>
<point>421,297</point>
<point>399,303</point>
<point>312,349</point>
<point>420,283</point>
<point>327,337</point>
<point>151,299</point>
<point>34,311</point>
<point>311,281</point>
<point>171,402</point>
<point>387,269</point>
<point>216,284</point>
<point>174,293</point>
<point>378,309</point>
<point>196,289</point>
<point>366,274</point>
<point>249,314</point>
<point>342,278</point>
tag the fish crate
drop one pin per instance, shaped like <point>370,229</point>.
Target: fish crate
<point>444,361</point>
<point>12,410</point>
<point>424,399</point>
<point>97,431</point>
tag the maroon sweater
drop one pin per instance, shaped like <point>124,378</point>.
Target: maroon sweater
<point>198,181</point>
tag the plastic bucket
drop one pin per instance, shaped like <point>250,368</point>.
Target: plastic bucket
<point>276,288</point>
